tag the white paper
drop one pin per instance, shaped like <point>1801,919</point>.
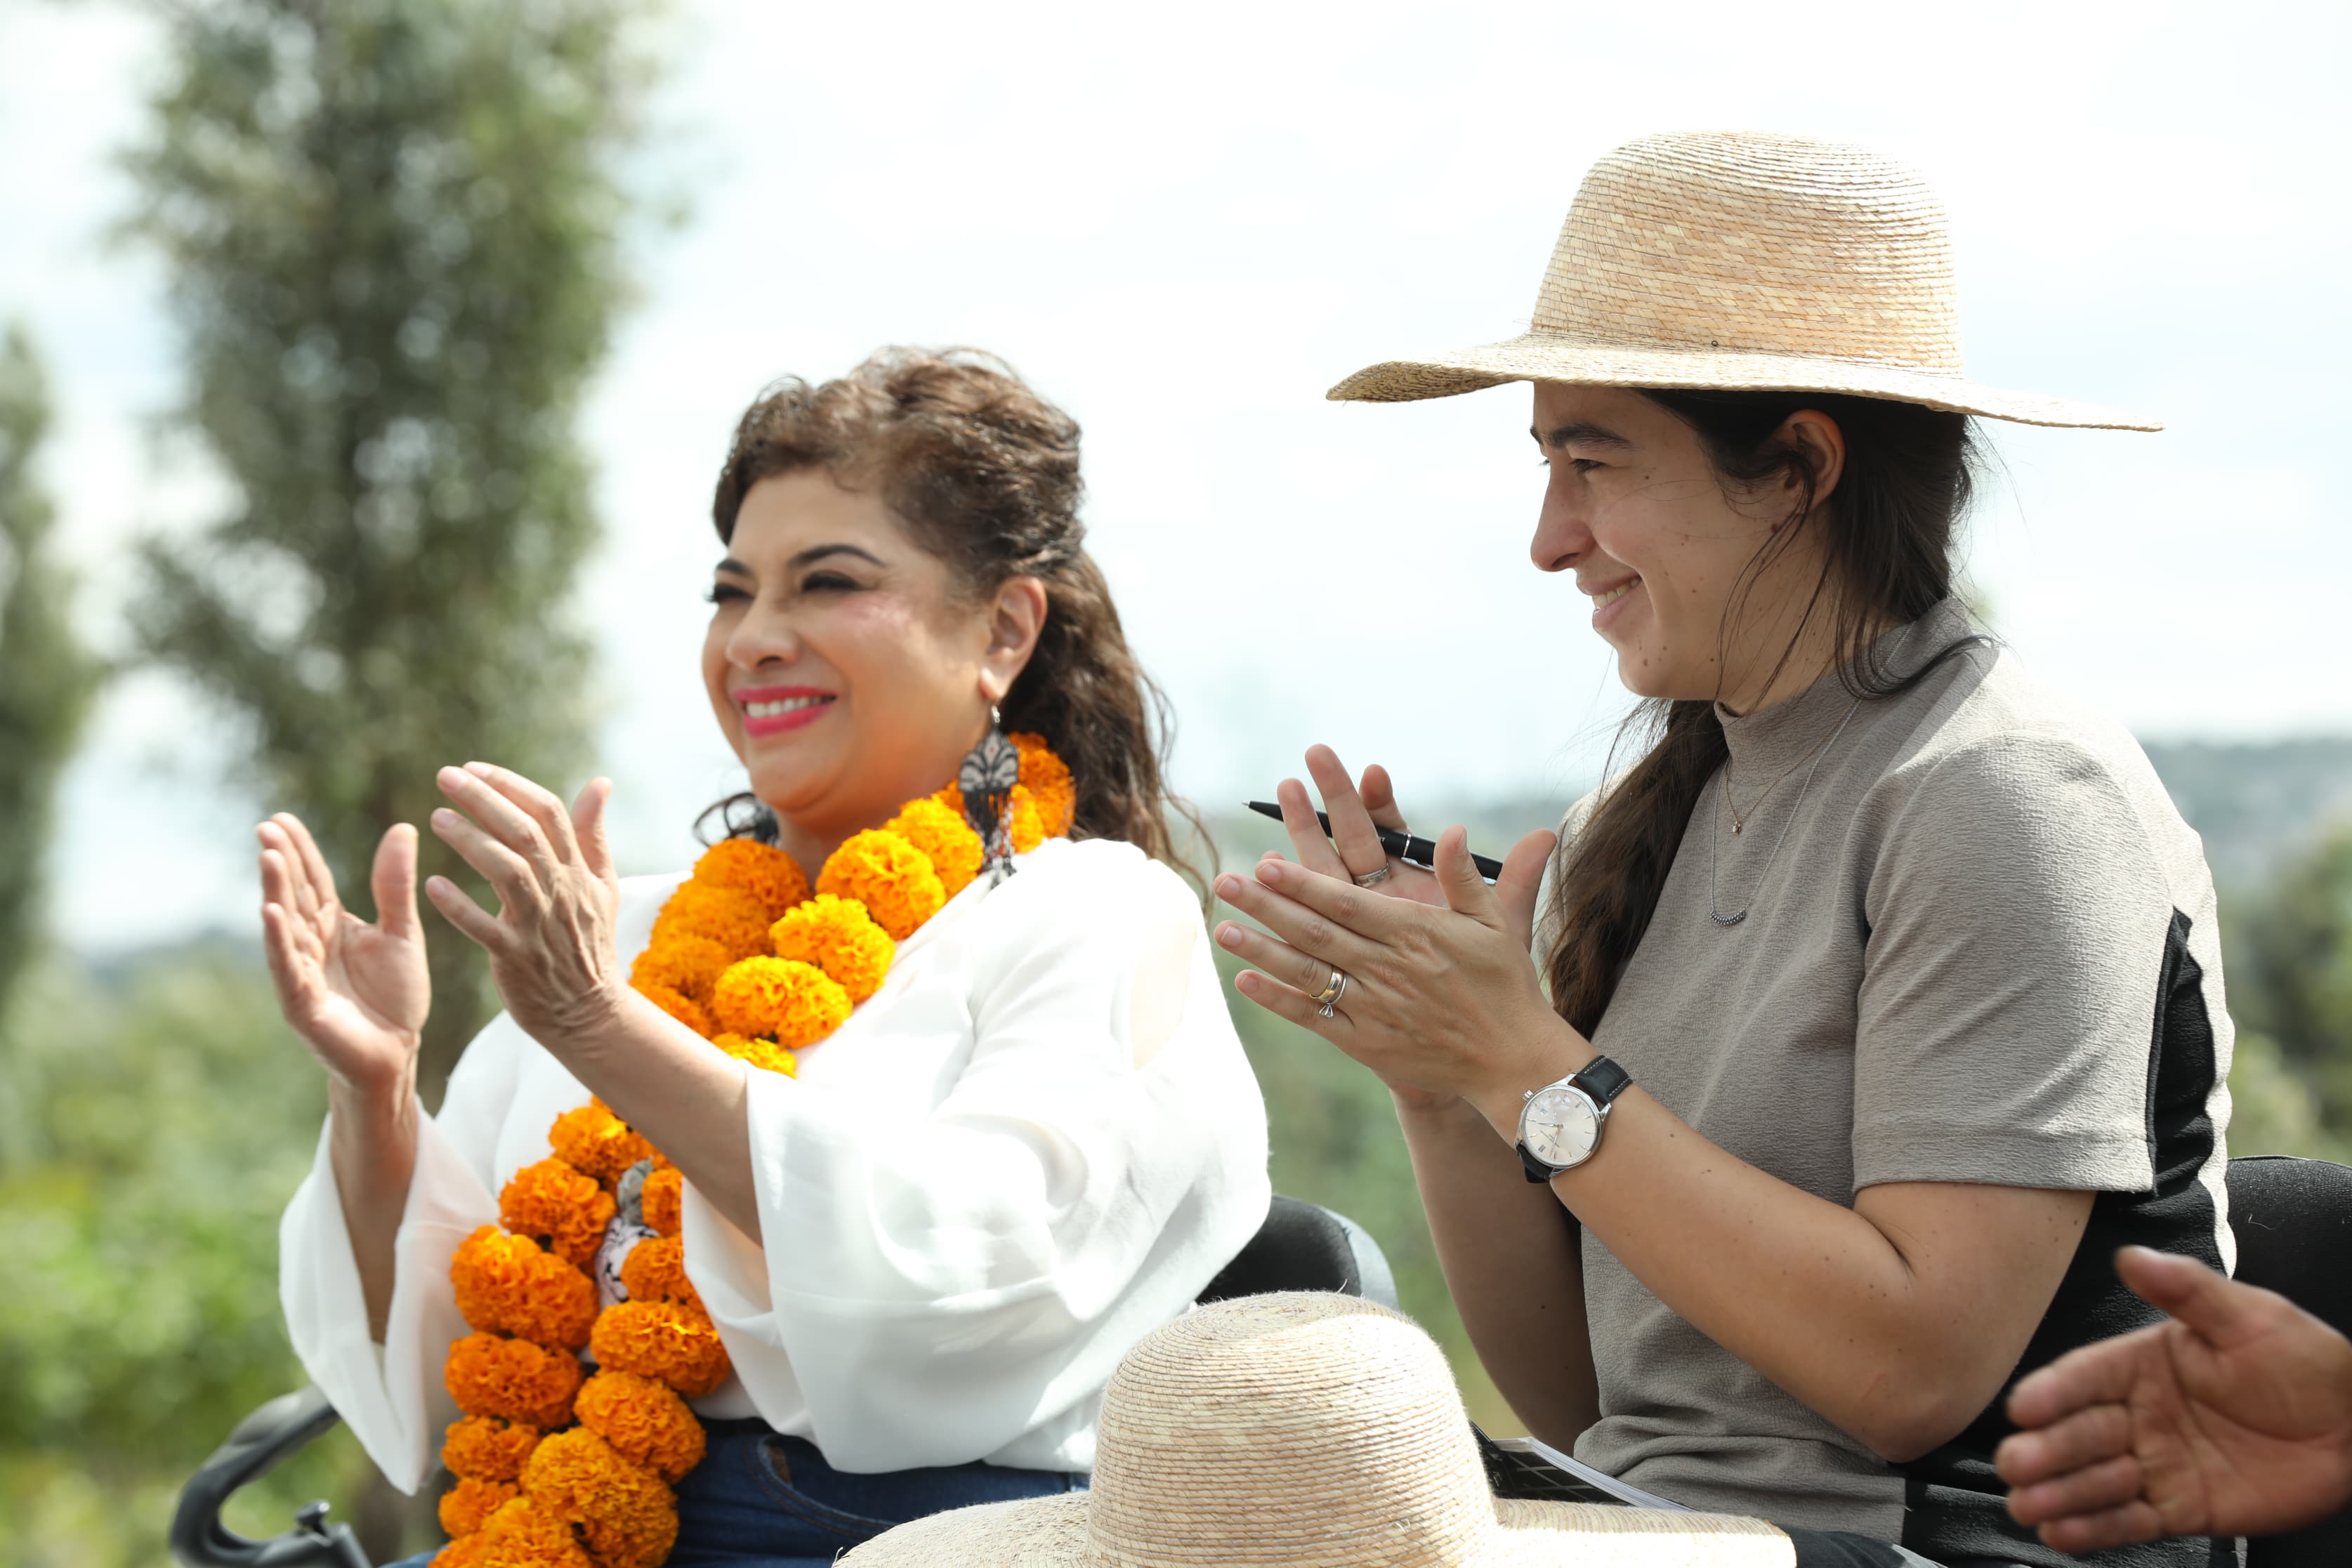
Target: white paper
<point>1590,1476</point>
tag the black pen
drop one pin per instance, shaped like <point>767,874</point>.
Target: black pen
<point>1407,847</point>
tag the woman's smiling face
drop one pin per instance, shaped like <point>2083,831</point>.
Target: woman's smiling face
<point>848,671</point>
<point>1634,507</point>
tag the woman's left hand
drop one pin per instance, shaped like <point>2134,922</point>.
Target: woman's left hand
<point>1445,1000</point>
<point>550,944</point>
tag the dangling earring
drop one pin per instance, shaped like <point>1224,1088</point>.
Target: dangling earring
<point>989,771</point>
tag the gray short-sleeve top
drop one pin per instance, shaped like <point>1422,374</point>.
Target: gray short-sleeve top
<point>1979,946</point>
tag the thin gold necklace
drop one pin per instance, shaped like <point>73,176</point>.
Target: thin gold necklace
<point>1739,818</point>
<point>1736,917</point>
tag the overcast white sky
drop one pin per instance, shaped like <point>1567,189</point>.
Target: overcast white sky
<point>1185,223</point>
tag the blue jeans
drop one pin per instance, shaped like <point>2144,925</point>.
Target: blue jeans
<point>758,1501</point>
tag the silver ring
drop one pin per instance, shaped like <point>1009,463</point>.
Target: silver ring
<point>1330,994</point>
<point>1374,878</point>
<point>1325,1011</point>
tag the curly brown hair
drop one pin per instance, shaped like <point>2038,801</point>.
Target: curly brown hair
<point>983,473</point>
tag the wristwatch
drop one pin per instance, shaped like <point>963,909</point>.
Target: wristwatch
<point>1560,1123</point>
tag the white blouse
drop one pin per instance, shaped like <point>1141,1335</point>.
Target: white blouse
<point>1035,1145</point>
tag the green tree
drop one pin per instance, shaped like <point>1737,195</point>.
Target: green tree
<point>393,230</point>
<point>150,1133</point>
<point>2289,972</point>
<point>47,676</point>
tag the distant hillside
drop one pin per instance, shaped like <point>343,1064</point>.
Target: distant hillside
<point>2254,802</point>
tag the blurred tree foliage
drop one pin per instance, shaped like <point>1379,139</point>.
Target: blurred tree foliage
<point>47,677</point>
<point>145,1154</point>
<point>393,234</point>
<point>2288,969</point>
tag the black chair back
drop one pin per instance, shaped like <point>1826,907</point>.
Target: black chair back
<point>2294,1223</point>
<point>1303,1246</point>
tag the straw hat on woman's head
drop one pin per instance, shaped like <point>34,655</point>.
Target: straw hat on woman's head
<point>1743,263</point>
<point>1308,1431</point>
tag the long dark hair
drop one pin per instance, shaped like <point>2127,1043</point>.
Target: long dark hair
<point>984,474</point>
<point>1889,531</point>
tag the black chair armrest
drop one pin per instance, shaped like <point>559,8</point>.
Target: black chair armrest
<point>199,1539</point>
<point>1374,1282</point>
<point>1304,1247</point>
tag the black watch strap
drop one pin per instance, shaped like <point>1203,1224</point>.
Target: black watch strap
<point>1601,1078</point>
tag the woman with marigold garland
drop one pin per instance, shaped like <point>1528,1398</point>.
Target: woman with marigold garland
<point>822,1189</point>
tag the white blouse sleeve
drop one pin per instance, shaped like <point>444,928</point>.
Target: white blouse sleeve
<point>392,1395</point>
<point>952,1273</point>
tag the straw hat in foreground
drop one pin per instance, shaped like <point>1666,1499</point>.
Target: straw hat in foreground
<point>1743,263</point>
<point>1310,1431</point>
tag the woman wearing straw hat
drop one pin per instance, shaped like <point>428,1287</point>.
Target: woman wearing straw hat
<point>1878,1001</point>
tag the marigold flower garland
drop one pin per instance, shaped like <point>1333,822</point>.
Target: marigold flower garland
<point>562,1464</point>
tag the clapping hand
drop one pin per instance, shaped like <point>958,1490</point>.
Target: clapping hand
<point>550,944</point>
<point>1356,810</point>
<point>1442,1000</point>
<point>356,993</point>
<point>2234,1418</point>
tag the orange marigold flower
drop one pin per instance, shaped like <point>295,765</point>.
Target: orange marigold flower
<point>554,1201</point>
<point>687,965</point>
<point>765,1053</point>
<point>763,871</point>
<point>646,1423</point>
<point>466,1552</point>
<point>662,1339</point>
<point>655,1271</point>
<point>838,937</point>
<point>939,831</point>
<point>487,1448</point>
<point>792,1002</point>
<point>1047,779</point>
<point>679,1006</point>
<point>626,1514</point>
<point>594,1142</point>
<point>488,1375</point>
<point>890,877</point>
<point>1028,830</point>
<point>727,915</point>
<point>506,1284</point>
<point>660,1200</point>
<point>524,1534</point>
<point>464,1506</point>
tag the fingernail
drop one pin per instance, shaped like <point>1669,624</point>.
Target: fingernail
<point>445,818</point>
<point>1228,886</point>
<point>1271,873</point>
<point>1247,981</point>
<point>478,769</point>
<point>1227,937</point>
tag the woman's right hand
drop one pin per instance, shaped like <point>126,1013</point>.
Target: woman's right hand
<point>356,993</point>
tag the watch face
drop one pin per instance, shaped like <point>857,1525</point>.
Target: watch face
<point>1561,1126</point>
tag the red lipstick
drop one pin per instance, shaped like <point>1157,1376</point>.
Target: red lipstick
<point>772,710</point>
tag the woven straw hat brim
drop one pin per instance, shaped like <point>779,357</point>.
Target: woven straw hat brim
<point>1050,1532</point>
<point>1578,361</point>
